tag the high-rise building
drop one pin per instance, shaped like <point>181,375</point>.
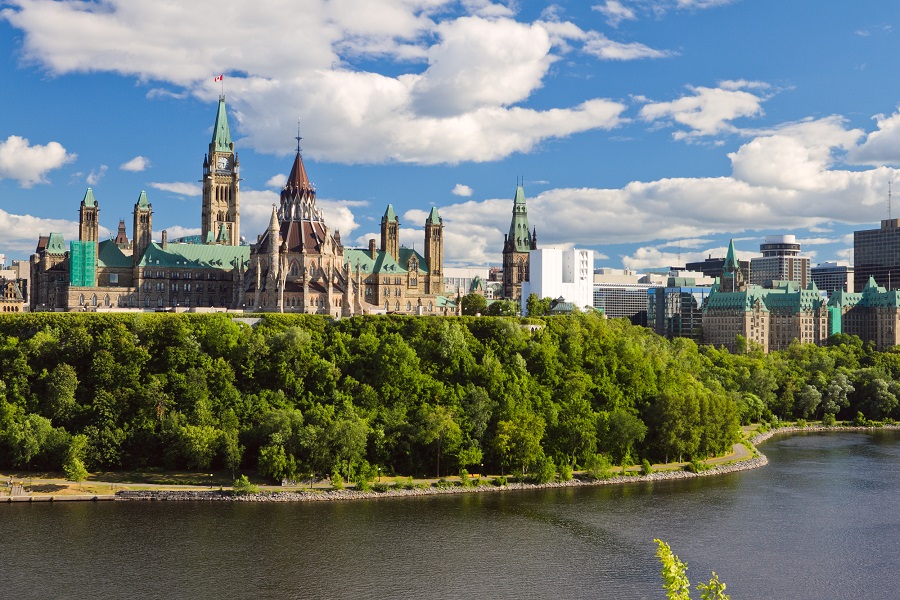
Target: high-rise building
<point>833,276</point>
<point>780,261</point>
<point>623,300</point>
<point>876,253</point>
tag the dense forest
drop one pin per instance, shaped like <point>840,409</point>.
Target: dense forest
<point>296,395</point>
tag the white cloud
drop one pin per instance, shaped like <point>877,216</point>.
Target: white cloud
<point>179,187</point>
<point>880,147</point>
<point>686,243</point>
<point>276,181</point>
<point>95,176</point>
<point>615,12</point>
<point>461,190</point>
<point>176,232</point>
<point>136,164</point>
<point>709,111</point>
<point>28,164</point>
<point>465,104</point>
<point>607,49</point>
<point>19,233</point>
<point>256,210</point>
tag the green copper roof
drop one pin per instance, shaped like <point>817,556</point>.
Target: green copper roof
<point>89,198</point>
<point>731,263</point>
<point>223,233</point>
<point>745,300</point>
<point>56,244</point>
<point>384,263</point>
<point>110,255</point>
<point>434,217</point>
<point>221,140</point>
<point>389,214</point>
<point>195,256</point>
<point>142,202</point>
<point>519,233</point>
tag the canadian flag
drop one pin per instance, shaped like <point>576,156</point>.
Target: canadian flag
<point>219,78</point>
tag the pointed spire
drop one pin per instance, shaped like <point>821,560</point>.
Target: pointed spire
<point>89,198</point>
<point>389,214</point>
<point>519,235</point>
<point>731,262</point>
<point>221,140</point>
<point>298,179</point>
<point>433,217</point>
<point>273,221</point>
<point>142,202</point>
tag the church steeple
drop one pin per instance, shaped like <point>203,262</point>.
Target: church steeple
<point>298,198</point>
<point>143,226</point>
<point>221,182</point>
<point>732,276</point>
<point>516,246</point>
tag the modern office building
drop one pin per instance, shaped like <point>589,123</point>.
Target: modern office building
<point>780,261</point>
<point>623,300</point>
<point>712,267</point>
<point>876,254</point>
<point>833,276</point>
<point>677,311</point>
<point>556,273</point>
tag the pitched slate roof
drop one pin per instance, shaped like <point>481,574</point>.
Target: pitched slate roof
<point>195,256</point>
<point>110,255</point>
<point>383,263</point>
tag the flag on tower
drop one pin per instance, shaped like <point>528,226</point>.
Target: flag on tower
<point>219,78</point>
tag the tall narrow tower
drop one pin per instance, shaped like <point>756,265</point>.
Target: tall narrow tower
<point>516,246</point>
<point>221,186</point>
<point>88,219</point>
<point>390,233</point>
<point>143,227</point>
<point>434,252</point>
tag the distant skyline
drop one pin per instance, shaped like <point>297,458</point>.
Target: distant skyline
<point>651,131</point>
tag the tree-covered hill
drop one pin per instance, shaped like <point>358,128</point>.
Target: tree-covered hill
<point>302,394</point>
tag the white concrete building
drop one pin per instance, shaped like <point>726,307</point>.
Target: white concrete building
<point>556,273</point>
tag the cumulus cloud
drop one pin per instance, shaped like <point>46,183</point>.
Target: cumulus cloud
<point>179,187</point>
<point>881,146</point>
<point>461,95</point>
<point>276,181</point>
<point>786,179</point>
<point>461,190</point>
<point>708,111</point>
<point>19,233</point>
<point>136,164</point>
<point>28,164</point>
<point>96,175</point>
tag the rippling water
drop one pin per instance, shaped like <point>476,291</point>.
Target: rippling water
<point>821,521</point>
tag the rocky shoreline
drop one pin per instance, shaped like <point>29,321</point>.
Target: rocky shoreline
<point>343,495</point>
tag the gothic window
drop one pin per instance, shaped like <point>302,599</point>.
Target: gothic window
<point>295,269</point>
<point>107,300</point>
<point>397,306</point>
<point>159,301</point>
<point>387,305</point>
<point>81,300</point>
<point>146,286</point>
<point>408,305</point>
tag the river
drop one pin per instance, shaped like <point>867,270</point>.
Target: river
<point>821,521</point>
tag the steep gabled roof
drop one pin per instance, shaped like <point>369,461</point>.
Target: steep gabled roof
<point>110,255</point>
<point>196,256</point>
<point>89,198</point>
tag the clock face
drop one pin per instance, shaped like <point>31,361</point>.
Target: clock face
<point>222,163</point>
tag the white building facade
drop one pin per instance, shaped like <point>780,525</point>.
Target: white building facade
<point>556,273</point>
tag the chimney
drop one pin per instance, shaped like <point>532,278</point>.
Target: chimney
<point>372,251</point>
<point>165,239</point>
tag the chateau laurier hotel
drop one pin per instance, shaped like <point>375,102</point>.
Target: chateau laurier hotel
<point>298,263</point>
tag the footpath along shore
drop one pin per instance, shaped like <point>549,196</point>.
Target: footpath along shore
<point>741,459</point>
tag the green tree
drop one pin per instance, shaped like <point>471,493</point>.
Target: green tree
<point>439,428</point>
<point>502,308</point>
<point>73,466</point>
<point>537,307</point>
<point>519,439</point>
<point>675,579</point>
<point>473,304</point>
<point>273,462</point>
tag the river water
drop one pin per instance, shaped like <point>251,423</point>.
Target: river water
<point>821,521</point>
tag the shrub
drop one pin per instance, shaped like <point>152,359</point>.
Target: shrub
<point>545,470</point>
<point>695,466</point>
<point>801,423</point>
<point>362,484</point>
<point>443,484</point>
<point>860,420</point>
<point>243,486</point>
<point>828,420</point>
<point>337,482</point>
<point>598,466</point>
<point>380,487</point>
<point>464,479</point>
<point>565,472</point>
<point>499,481</point>
<point>406,485</point>
<point>646,467</point>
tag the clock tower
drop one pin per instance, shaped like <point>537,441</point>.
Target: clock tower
<point>221,219</point>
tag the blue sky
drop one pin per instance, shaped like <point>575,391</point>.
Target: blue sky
<point>649,130</point>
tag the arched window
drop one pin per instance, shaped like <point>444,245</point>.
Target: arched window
<point>408,305</point>
<point>397,306</point>
<point>387,305</point>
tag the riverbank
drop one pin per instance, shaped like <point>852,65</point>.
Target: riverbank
<point>741,459</point>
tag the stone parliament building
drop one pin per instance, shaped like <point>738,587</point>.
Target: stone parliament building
<point>298,264</point>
